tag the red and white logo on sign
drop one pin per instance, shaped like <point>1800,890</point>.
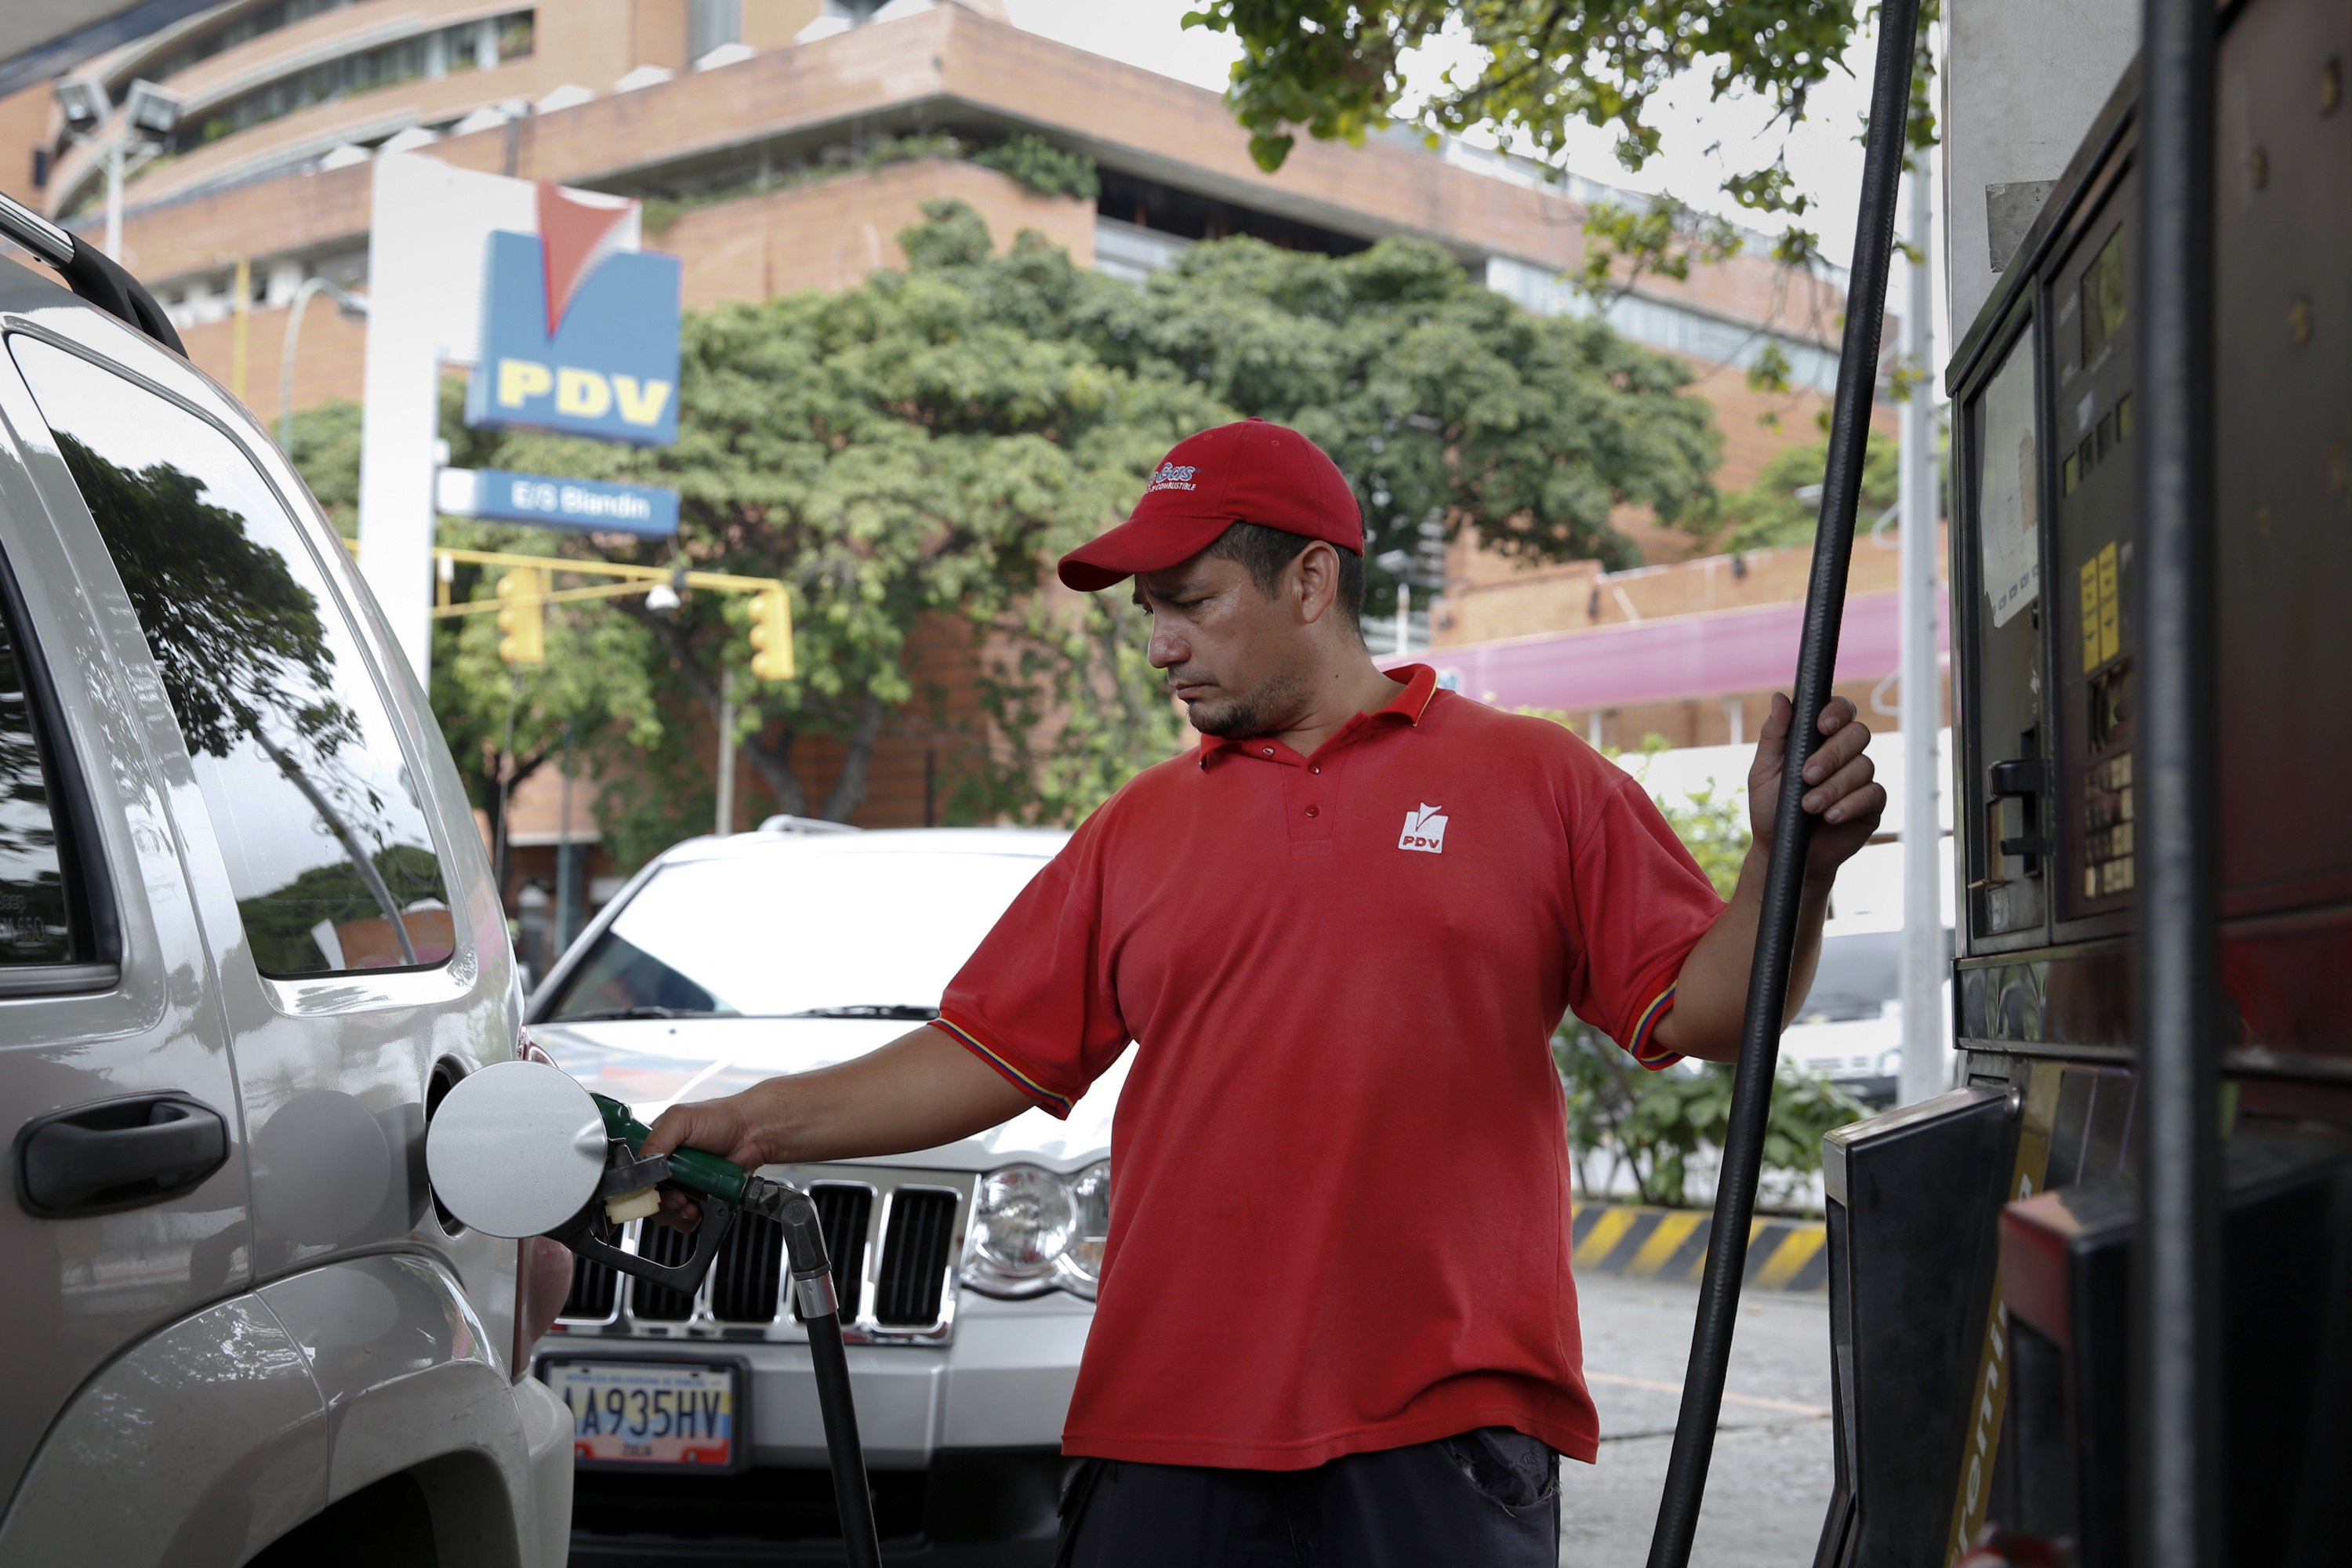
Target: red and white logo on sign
<point>1424,830</point>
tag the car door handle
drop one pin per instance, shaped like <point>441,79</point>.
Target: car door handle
<point>117,1155</point>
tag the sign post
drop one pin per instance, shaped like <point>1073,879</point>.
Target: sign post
<point>436,235</point>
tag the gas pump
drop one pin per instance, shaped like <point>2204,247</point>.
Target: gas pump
<point>2093,1306</point>
<point>522,1149</point>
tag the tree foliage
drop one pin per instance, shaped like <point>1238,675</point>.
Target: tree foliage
<point>1340,69</point>
<point>1771,513</point>
<point>1042,167</point>
<point>923,447</point>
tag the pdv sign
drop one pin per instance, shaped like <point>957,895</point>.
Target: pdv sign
<point>578,338</point>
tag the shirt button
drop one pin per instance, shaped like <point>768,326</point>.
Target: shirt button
<point>1315,767</point>
<point>1314,811</point>
<point>1267,749</point>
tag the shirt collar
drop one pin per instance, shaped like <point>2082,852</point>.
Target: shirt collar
<point>1417,686</point>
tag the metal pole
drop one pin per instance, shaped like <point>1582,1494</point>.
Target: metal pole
<point>349,305</point>
<point>567,874</point>
<point>114,199</point>
<point>242,288</point>
<point>1776,926</point>
<point>1927,1069</point>
<point>506,790</point>
<point>1404,614</point>
<point>725,814</point>
<point>303,295</point>
<point>2176,1257</point>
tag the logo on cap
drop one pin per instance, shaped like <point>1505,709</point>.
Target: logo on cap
<point>1171,477</point>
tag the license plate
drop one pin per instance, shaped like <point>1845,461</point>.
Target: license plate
<point>657,1414</point>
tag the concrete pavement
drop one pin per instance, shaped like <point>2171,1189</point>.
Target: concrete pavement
<point>1769,1484</point>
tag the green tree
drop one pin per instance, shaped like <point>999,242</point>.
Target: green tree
<point>1771,512</point>
<point>1048,170</point>
<point>1340,69</point>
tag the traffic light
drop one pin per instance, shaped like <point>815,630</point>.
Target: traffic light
<point>522,616</point>
<point>771,635</point>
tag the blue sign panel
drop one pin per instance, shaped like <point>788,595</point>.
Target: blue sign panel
<point>591,506</point>
<point>609,368</point>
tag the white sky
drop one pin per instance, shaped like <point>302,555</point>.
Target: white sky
<point>1704,140</point>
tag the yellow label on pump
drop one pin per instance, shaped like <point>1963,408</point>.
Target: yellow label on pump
<point>2102,599</point>
<point>2110,606</point>
<point>2090,616</point>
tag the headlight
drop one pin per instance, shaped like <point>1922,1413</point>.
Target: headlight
<point>1033,1231</point>
<point>1091,1189</point>
<point>1023,1226</point>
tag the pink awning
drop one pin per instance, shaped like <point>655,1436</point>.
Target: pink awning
<point>1669,660</point>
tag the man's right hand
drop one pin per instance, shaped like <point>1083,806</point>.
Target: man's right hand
<point>922,1090</point>
<point>738,1128</point>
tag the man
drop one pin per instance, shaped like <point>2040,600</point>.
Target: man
<point>1336,1322</point>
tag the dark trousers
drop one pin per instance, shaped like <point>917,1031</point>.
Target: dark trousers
<point>1489,1499</point>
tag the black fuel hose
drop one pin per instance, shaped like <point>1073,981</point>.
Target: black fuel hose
<point>820,1311</point>
<point>814,1299</point>
<point>1768,983</point>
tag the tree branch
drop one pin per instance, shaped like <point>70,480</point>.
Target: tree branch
<point>849,789</point>
<point>772,763</point>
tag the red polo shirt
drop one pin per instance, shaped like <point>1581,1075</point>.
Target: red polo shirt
<point>1339,1209</point>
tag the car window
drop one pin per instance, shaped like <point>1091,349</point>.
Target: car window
<point>36,923</point>
<point>329,856</point>
<point>770,934</point>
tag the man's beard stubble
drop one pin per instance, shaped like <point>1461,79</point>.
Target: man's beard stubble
<point>1270,708</point>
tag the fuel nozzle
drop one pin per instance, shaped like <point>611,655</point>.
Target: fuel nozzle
<point>691,1169</point>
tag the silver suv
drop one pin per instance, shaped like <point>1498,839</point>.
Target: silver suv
<point>247,935</point>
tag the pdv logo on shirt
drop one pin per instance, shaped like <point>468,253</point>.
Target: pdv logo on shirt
<point>1424,830</point>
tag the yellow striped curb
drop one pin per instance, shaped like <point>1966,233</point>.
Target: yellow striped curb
<point>1645,1243</point>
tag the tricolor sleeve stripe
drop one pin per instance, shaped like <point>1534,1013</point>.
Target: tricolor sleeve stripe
<point>1057,1103</point>
<point>1640,1046</point>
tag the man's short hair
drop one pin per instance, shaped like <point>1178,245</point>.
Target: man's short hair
<point>1264,552</point>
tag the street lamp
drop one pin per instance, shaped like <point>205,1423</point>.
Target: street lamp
<point>150,115</point>
<point>83,103</point>
<point>353,308</point>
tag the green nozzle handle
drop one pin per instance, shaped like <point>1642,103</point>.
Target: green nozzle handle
<point>690,1168</point>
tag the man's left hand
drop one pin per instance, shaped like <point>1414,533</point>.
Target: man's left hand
<point>1840,795</point>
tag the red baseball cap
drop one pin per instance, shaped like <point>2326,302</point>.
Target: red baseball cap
<point>1249,472</point>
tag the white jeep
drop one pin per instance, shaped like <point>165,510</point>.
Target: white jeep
<point>966,1273</point>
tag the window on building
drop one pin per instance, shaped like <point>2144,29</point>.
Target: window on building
<point>469,46</point>
<point>711,23</point>
<point>36,904</point>
<point>319,818</point>
<point>239,30</point>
